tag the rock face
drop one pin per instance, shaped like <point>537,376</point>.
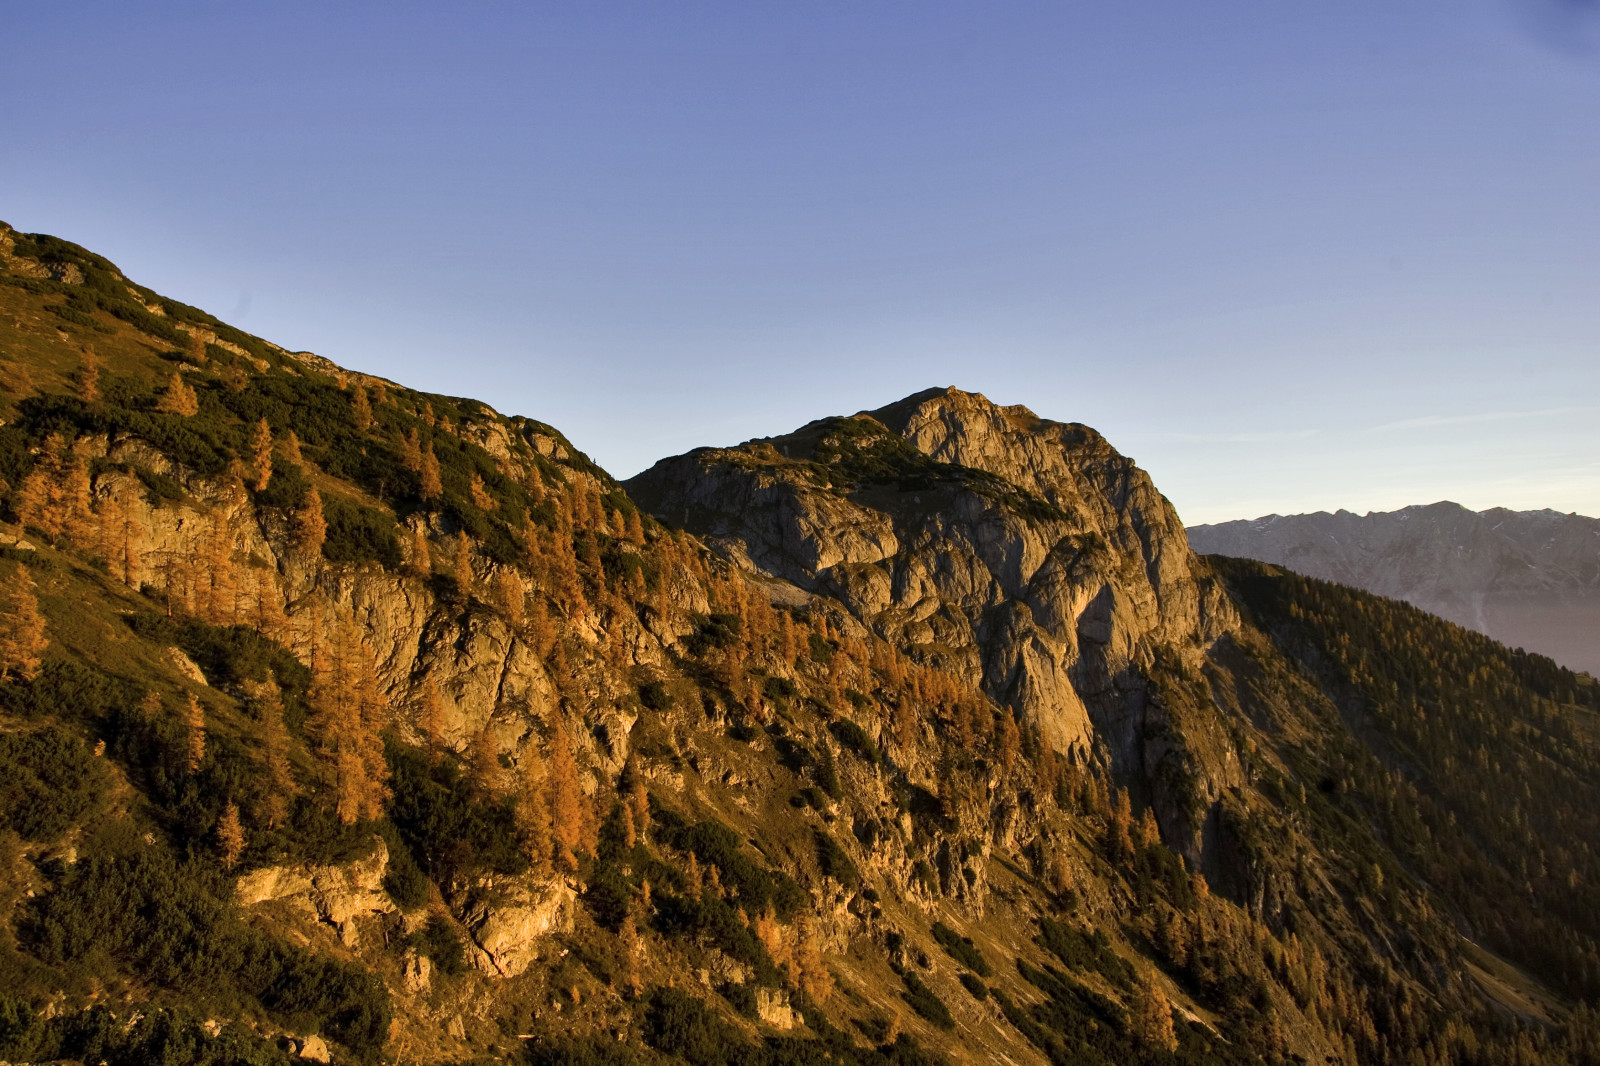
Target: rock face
<point>1527,578</point>
<point>338,895</point>
<point>1018,553</point>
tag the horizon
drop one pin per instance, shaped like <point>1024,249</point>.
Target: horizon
<point>1287,261</point>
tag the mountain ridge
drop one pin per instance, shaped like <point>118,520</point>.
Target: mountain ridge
<point>1528,578</point>
<point>364,723</point>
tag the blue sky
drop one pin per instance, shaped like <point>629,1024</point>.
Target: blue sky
<point>1288,256</point>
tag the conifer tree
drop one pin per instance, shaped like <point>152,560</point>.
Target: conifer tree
<point>261,453</point>
<point>22,636</point>
<point>178,398</point>
<point>360,408</point>
<point>432,720</point>
<point>309,526</point>
<point>230,835</point>
<point>566,797</point>
<point>197,349</point>
<point>509,596</point>
<point>635,529</point>
<point>533,808</point>
<point>430,487</point>
<point>77,519</point>
<point>280,784</point>
<point>411,451</point>
<point>291,448</point>
<point>88,378</point>
<point>194,724</point>
<point>1152,1017</point>
<point>480,494</point>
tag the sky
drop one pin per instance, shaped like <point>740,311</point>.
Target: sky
<point>1287,256</point>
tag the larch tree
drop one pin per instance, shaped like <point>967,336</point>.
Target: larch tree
<point>178,398</point>
<point>509,595</point>
<point>480,494</point>
<point>261,454</point>
<point>309,526</point>
<point>419,560</point>
<point>462,565</point>
<point>88,377</point>
<point>429,486</point>
<point>77,517</point>
<point>291,448</point>
<point>230,835</point>
<point>22,638</point>
<point>484,762</point>
<point>635,529</point>
<point>194,724</point>
<point>533,808</point>
<point>1152,1017</point>
<point>280,784</point>
<point>411,451</point>
<point>566,797</point>
<point>197,349</point>
<point>360,408</point>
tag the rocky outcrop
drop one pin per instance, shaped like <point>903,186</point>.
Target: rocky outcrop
<point>1024,555</point>
<point>338,895</point>
<point>509,918</point>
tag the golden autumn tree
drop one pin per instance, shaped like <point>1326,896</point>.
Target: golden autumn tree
<point>360,408</point>
<point>178,398</point>
<point>22,638</point>
<point>533,808</point>
<point>194,726</point>
<point>230,835</point>
<point>280,783</point>
<point>461,564</point>
<point>509,596</point>
<point>419,559</point>
<point>566,797</point>
<point>88,376</point>
<point>261,454</point>
<point>431,720</point>
<point>480,494</point>
<point>1151,1017</point>
<point>350,716</point>
<point>411,451</point>
<point>308,525</point>
<point>291,448</point>
<point>484,761</point>
<point>429,487</point>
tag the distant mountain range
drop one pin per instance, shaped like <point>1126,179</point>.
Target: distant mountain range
<point>1529,579</point>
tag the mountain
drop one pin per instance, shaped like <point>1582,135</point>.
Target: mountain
<point>340,721</point>
<point>1526,578</point>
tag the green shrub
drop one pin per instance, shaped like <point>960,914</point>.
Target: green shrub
<point>925,1002</point>
<point>48,781</point>
<point>962,949</point>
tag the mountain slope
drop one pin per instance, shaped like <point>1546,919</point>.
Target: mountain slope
<point>375,724</point>
<point>1527,578</point>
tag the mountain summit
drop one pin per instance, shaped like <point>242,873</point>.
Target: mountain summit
<point>345,722</point>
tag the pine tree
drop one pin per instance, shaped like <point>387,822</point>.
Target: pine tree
<point>230,836</point>
<point>310,527</point>
<point>22,636</point>
<point>88,379</point>
<point>178,399</point>
<point>360,408</point>
<point>194,723</point>
<point>261,452</point>
<point>566,797</point>
<point>430,487</point>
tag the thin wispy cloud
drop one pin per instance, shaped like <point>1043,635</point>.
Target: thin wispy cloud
<point>1430,421</point>
<point>1267,437</point>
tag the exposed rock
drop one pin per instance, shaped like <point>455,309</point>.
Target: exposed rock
<point>337,895</point>
<point>508,919</point>
<point>772,1007</point>
<point>315,1049</point>
<point>185,666</point>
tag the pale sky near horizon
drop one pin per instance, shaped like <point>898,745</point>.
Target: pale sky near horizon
<point>1289,257</point>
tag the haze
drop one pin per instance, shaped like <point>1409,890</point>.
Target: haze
<point>1290,257</point>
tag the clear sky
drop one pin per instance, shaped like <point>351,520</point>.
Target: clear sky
<point>1288,255</point>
